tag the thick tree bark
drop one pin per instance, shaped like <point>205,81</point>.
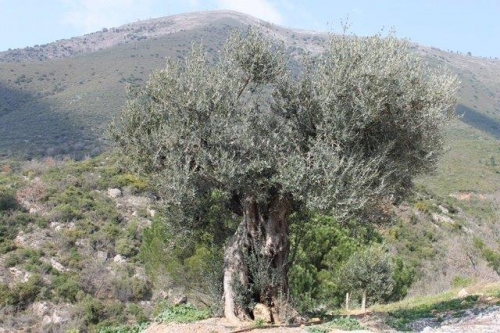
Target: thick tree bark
<point>256,259</point>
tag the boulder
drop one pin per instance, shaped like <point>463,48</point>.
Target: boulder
<point>40,308</point>
<point>181,300</point>
<point>262,313</point>
<point>114,192</point>
<point>463,293</point>
<point>118,259</point>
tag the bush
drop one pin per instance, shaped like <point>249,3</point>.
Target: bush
<point>92,311</point>
<point>24,293</point>
<point>66,287</point>
<point>132,182</point>
<point>13,221</point>
<point>127,247</point>
<point>130,288</point>
<point>137,312</point>
<point>369,271</point>
<point>184,313</point>
<point>345,324</point>
<point>8,199</point>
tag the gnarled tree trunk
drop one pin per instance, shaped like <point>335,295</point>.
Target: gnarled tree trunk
<point>256,259</point>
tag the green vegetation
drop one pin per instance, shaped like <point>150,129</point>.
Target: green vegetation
<point>184,313</point>
<point>55,262</point>
<point>343,323</point>
<point>370,272</point>
<point>491,256</point>
<point>400,318</point>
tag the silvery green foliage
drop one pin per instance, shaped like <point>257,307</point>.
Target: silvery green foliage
<point>358,123</point>
<point>369,270</point>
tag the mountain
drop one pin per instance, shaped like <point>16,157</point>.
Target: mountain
<point>57,99</point>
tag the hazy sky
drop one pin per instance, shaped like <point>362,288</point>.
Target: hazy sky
<point>455,25</point>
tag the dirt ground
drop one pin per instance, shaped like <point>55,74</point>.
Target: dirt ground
<point>481,323</point>
<point>221,325</point>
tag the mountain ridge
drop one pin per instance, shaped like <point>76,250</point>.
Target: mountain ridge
<point>130,32</point>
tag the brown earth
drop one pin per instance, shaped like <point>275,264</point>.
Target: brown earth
<point>221,325</point>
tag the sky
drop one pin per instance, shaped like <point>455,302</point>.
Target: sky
<point>452,25</point>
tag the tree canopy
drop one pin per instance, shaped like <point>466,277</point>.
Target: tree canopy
<point>357,122</point>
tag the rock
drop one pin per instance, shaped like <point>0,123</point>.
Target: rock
<point>262,313</point>
<point>443,209</point>
<point>463,293</point>
<point>47,320</point>
<point>40,308</point>
<point>56,265</point>
<point>114,192</point>
<point>163,295</point>
<point>181,300</point>
<point>442,218</point>
<point>60,316</point>
<point>102,256</point>
<point>19,275</point>
<point>118,259</point>
<point>152,212</point>
<point>20,240</point>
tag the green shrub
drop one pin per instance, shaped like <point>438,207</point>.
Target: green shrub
<point>404,274</point>
<point>137,312</point>
<point>493,259</point>
<point>132,182</point>
<point>25,293</point>
<point>184,313</point>
<point>7,246</point>
<point>66,287</point>
<point>425,207</point>
<point>344,323</point>
<point>67,212</point>
<point>13,221</point>
<point>130,288</point>
<point>92,311</point>
<point>138,328</point>
<point>24,256</point>
<point>491,256</point>
<point>369,270</point>
<point>8,199</point>
<point>127,247</point>
<point>461,281</point>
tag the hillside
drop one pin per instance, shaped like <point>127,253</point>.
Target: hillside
<point>80,237</point>
<point>57,99</point>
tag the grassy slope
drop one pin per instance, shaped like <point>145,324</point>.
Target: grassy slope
<point>47,106</point>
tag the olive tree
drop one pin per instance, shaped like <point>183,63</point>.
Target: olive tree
<point>353,126</point>
<point>369,271</point>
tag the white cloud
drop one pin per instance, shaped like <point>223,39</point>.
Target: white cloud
<point>262,9</point>
<point>93,15</point>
